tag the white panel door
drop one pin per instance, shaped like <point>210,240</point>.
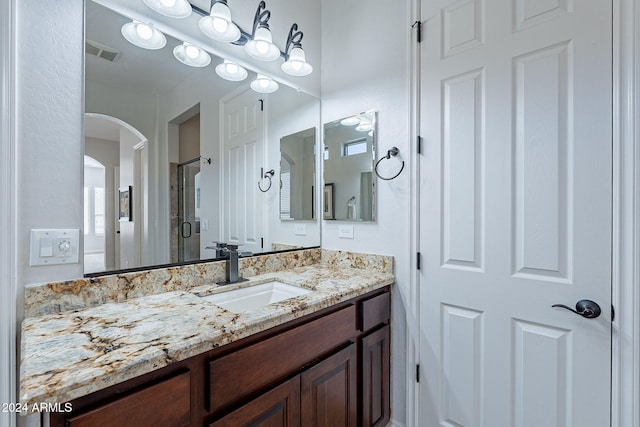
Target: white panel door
<point>243,156</point>
<point>515,212</point>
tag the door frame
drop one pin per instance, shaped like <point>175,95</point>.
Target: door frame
<point>625,404</point>
<point>8,284</point>
<point>625,369</point>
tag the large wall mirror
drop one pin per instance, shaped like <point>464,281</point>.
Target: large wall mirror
<point>175,156</point>
<point>349,155</point>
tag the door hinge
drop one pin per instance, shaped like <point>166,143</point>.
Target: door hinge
<point>418,26</point>
<point>262,243</point>
<point>418,260</point>
<point>613,313</point>
<point>419,144</point>
<point>261,104</point>
<point>418,373</point>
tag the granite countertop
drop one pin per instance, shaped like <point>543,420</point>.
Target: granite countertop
<point>71,354</point>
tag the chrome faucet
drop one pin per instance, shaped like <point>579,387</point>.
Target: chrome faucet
<point>232,264</point>
<point>230,252</point>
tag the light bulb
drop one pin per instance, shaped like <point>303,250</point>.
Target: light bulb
<point>143,35</point>
<point>262,46</point>
<point>231,68</point>
<point>171,8</point>
<point>144,31</point>
<point>192,51</point>
<point>264,84</point>
<point>220,25</point>
<point>191,55</point>
<point>296,64</point>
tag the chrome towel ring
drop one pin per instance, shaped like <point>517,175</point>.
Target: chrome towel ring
<point>392,152</point>
<point>267,175</point>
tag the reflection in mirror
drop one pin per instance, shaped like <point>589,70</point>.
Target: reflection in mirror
<point>190,145</point>
<point>349,155</point>
<point>297,175</point>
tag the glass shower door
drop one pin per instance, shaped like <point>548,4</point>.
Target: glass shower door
<point>189,210</point>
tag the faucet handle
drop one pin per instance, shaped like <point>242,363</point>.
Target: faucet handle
<point>232,246</point>
<point>220,244</point>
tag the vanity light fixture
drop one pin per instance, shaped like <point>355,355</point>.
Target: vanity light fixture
<point>171,8</point>
<point>264,84</point>
<point>261,44</point>
<point>218,24</point>
<point>364,127</point>
<point>296,63</point>
<point>191,55</point>
<point>143,35</point>
<point>350,121</point>
<point>231,71</point>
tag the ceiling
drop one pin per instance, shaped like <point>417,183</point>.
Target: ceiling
<point>99,128</point>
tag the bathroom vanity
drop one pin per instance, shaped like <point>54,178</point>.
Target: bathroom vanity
<point>319,359</point>
<point>329,368</point>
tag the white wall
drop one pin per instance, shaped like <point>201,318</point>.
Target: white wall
<point>49,68</point>
<point>365,67</point>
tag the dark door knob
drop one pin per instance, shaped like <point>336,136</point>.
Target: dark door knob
<point>585,308</point>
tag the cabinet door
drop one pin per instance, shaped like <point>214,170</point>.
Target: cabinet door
<point>279,407</point>
<point>375,378</point>
<point>163,404</point>
<point>329,391</point>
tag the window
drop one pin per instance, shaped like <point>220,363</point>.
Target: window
<point>98,211</point>
<point>94,211</point>
<point>285,195</point>
<point>356,146</point>
<point>87,209</point>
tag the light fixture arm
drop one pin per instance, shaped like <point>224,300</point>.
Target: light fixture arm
<point>214,2</point>
<point>294,38</point>
<point>261,18</point>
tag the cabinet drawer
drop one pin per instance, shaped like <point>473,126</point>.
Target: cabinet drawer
<point>238,375</point>
<point>163,404</point>
<point>374,311</point>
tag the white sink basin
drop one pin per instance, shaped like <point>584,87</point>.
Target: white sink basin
<point>252,297</point>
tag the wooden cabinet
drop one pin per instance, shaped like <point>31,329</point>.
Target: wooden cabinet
<point>329,391</point>
<point>271,360</point>
<point>324,395</point>
<point>166,403</point>
<point>279,407</point>
<point>374,366</point>
<point>330,368</point>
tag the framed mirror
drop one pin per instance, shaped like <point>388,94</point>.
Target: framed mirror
<point>349,155</point>
<point>193,148</point>
<point>297,176</point>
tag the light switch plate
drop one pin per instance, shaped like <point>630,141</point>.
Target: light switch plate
<point>345,231</point>
<point>300,229</point>
<point>54,246</point>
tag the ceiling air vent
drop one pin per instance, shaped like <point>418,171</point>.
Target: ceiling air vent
<point>100,50</point>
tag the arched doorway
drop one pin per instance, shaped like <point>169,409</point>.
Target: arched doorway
<point>122,150</point>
